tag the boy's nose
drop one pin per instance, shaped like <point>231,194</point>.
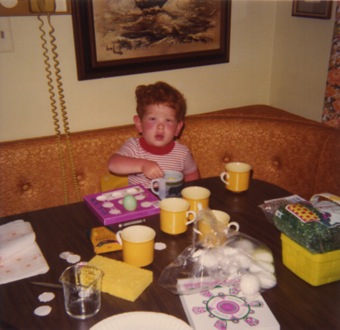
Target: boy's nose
<point>160,126</point>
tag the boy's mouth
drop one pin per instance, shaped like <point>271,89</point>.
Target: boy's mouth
<point>159,137</point>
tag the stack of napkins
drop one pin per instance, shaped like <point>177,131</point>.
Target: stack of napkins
<point>20,255</point>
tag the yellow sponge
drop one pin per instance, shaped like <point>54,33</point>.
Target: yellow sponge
<point>121,279</point>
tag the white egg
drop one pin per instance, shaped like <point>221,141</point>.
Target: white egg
<point>263,255</point>
<point>233,268</point>
<point>250,284</point>
<point>243,261</point>
<point>267,266</point>
<point>267,280</point>
<point>209,260</point>
<point>229,251</point>
<point>244,245</point>
<point>260,266</point>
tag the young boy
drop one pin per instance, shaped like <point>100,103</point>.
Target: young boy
<point>160,118</point>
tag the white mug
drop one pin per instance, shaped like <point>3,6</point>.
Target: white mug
<point>168,186</point>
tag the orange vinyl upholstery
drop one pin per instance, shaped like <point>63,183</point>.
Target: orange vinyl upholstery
<point>295,153</point>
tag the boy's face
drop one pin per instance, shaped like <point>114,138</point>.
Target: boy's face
<point>159,125</point>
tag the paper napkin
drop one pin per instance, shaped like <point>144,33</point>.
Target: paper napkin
<point>20,255</point>
<point>15,237</point>
<point>222,308</point>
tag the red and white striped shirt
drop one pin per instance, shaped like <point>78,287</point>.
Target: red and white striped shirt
<point>179,158</point>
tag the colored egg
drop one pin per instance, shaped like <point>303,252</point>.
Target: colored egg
<point>129,203</point>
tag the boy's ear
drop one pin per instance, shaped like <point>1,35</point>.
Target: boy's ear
<point>180,125</point>
<point>138,123</point>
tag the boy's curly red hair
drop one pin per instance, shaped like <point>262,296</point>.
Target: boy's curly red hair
<point>160,93</point>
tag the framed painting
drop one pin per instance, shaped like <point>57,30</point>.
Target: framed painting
<point>122,37</point>
<point>312,8</point>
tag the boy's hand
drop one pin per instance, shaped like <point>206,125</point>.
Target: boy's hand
<point>152,170</point>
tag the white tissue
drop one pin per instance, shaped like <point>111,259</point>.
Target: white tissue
<point>15,236</point>
<point>21,256</point>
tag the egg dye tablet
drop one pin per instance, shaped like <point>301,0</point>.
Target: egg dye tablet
<point>129,203</point>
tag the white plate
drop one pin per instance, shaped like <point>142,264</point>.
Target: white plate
<point>141,321</point>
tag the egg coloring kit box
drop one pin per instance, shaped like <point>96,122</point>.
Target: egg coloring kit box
<point>124,204</point>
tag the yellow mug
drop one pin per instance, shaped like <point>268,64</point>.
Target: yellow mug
<point>138,245</point>
<point>198,197</point>
<point>206,227</point>
<point>174,215</point>
<point>236,176</point>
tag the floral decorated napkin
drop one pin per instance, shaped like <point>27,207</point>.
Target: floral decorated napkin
<point>20,255</point>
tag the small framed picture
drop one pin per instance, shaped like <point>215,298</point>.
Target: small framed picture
<point>312,8</point>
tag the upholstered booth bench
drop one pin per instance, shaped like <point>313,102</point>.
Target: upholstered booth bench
<point>295,153</point>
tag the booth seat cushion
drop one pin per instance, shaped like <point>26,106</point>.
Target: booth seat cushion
<point>297,154</point>
<point>301,158</point>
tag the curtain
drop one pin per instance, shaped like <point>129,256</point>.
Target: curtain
<point>331,109</point>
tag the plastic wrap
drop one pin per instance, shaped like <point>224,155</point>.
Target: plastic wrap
<point>220,257</point>
<point>313,224</point>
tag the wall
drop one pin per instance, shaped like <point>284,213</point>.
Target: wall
<point>301,51</point>
<point>262,33</point>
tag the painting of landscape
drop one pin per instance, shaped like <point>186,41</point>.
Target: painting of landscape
<point>119,37</point>
<point>132,28</point>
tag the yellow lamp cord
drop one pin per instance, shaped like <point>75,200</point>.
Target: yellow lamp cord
<point>54,108</point>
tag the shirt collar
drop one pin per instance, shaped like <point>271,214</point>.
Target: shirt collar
<point>156,150</point>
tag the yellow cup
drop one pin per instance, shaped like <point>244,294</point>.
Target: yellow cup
<point>174,215</point>
<point>206,227</point>
<point>236,176</point>
<point>138,245</point>
<point>197,197</point>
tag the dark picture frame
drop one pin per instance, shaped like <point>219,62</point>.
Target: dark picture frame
<point>151,36</point>
<point>312,9</point>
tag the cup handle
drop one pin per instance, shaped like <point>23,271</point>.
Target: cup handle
<point>118,238</point>
<point>198,232</point>
<point>162,188</point>
<point>193,213</point>
<point>233,224</point>
<point>223,175</point>
<point>152,188</point>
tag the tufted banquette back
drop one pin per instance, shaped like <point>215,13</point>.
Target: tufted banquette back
<point>294,153</point>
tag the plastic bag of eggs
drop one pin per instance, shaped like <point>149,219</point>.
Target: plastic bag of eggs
<point>243,257</point>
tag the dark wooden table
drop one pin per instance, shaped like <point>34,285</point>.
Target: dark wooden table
<point>295,303</point>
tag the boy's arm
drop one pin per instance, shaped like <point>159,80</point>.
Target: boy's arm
<point>192,176</point>
<point>124,165</point>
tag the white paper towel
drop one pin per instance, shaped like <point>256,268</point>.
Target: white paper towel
<point>15,236</point>
<point>20,255</point>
